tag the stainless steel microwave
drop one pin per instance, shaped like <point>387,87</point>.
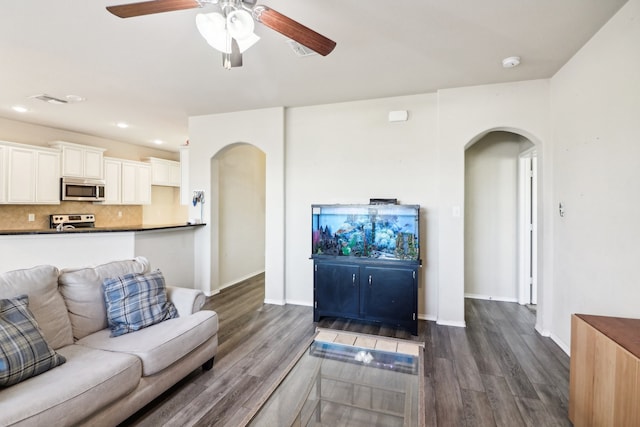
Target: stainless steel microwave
<point>90,190</point>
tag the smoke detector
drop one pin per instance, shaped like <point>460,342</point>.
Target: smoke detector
<point>510,62</point>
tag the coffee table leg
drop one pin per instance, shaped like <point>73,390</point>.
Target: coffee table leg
<point>319,396</point>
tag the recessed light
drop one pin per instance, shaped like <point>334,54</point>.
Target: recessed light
<point>20,108</point>
<point>122,125</point>
<point>510,62</point>
<point>158,142</point>
<point>74,98</point>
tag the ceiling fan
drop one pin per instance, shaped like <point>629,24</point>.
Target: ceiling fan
<point>230,30</point>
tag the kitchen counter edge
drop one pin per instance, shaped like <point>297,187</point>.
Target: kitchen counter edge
<point>132,228</point>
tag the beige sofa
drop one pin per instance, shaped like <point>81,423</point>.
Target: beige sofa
<point>104,380</point>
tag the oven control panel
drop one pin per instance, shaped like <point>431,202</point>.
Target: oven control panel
<point>77,220</point>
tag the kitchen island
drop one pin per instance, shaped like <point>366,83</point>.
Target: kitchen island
<point>168,247</point>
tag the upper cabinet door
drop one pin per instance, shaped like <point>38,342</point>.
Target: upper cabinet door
<point>29,174</point>
<point>3,174</point>
<point>47,177</point>
<point>72,162</point>
<point>93,164</point>
<point>112,178</point>
<point>22,174</point>
<point>81,161</point>
<point>164,172</point>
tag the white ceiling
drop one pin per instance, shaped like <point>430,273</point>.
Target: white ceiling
<point>155,71</point>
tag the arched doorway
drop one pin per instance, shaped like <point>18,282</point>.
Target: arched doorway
<point>494,217</point>
<point>238,176</point>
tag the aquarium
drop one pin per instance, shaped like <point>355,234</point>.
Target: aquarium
<point>387,232</point>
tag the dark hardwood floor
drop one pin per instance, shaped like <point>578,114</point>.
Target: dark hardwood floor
<point>495,372</point>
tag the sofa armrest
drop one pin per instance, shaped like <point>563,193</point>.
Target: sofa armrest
<point>187,301</point>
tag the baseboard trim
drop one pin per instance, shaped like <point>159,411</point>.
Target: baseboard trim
<point>561,344</point>
<point>297,302</point>
<point>275,302</point>
<point>490,298</point>
<point>455,323</point>
<point>240,279</point>
<point>545,333</point>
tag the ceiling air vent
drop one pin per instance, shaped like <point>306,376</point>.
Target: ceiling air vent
<point>50,99</point>
<point>299,49</point>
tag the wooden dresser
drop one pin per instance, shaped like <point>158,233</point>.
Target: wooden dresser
<point>604,387</point>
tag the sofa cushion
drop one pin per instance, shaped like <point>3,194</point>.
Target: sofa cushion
<point>89,380</point>
<point>136,301</point>
<point>40,284</point>
<point>162,344</point>
<point>23,351</point>
<point>82,292</point>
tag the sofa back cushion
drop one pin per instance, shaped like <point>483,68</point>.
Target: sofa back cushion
<point>40,284</point>
<point>82,291</point>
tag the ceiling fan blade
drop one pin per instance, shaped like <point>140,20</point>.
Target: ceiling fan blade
<point>149,7</point>
<point>294,30</point>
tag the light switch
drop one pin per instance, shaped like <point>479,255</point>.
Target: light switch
<point>32,217</point>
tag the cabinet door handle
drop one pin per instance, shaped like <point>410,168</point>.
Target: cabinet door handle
<point>353,279</point>
<point>369,280</point>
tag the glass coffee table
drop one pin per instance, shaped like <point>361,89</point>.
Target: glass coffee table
<point>345,379</point>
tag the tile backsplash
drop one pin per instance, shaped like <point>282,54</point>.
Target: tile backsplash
<point>16,217</point>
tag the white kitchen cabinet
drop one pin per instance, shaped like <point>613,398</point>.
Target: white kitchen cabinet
<point>127,182</point>
<point>185,195</point>
<point>3,173</point>
<point>47,177</point>
<point>21,180</point>
<point>81,161</point>
<point>30,175</point>
<point>113,181</point>
<point>164,172</point>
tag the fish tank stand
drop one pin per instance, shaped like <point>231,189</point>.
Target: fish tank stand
<point>365,263</point>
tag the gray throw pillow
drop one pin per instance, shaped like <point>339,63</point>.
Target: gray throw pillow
<point>135,301</point>
<point>23,351</point>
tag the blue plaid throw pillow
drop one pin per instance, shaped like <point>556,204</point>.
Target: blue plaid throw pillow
<point>135,301</point>
<point>23,351</point>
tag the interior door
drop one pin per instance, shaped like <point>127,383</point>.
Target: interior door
<point>528,264</point>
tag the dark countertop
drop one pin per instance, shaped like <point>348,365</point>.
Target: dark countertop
<point>134,228</point>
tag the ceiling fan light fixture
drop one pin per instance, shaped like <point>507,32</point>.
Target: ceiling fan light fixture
<point>212,28</point>
<point>247,42</point>
<point>240,24</point>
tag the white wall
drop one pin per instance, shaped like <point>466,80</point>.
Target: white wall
<point>64,250</point>
<point>27,133</point>
<point>210,134</point>
<point>171,251</point>
<point>491,207</point>
<point>584,122</point>
<point>241,176</point>
<point>596,124</point>
<point>466,115</point>
<point>349,153</point>
<point>165,207</point>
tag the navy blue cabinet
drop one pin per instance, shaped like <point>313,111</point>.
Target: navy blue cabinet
<point>336,289</point>
<point>384,292</point>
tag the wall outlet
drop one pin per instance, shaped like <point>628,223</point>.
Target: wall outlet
<point>32,217</point>
<point>119,214</point>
